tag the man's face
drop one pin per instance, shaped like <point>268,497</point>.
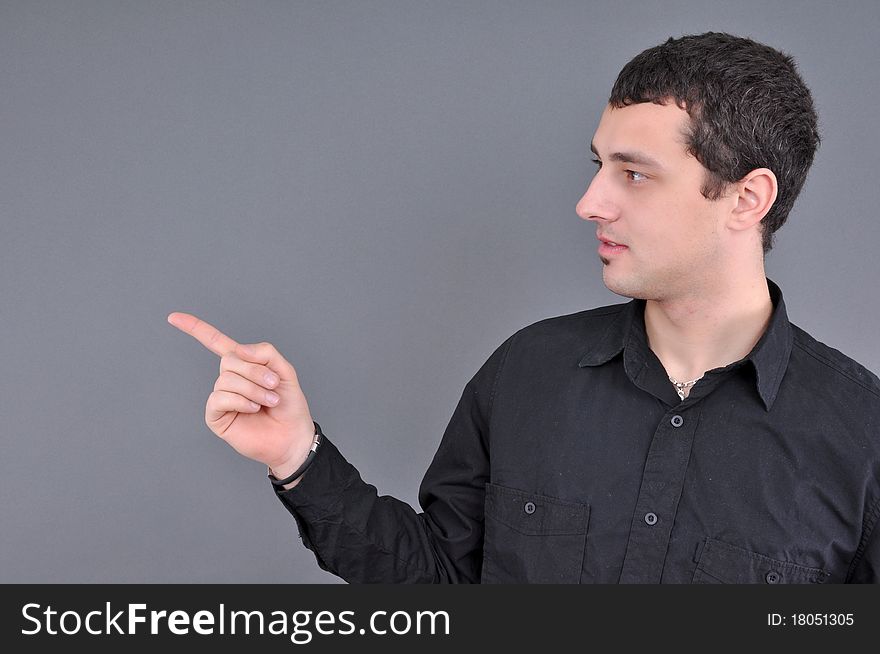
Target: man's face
<point>646,197</point>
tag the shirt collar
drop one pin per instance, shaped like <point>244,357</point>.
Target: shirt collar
<point>769,357</point>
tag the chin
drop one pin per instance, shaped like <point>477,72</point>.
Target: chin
<point>625,286</point>
<point>615,284</point>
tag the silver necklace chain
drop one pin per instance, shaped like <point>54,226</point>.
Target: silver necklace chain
<point>680,386</point>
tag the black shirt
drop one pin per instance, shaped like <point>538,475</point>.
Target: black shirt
<point>571,459</point>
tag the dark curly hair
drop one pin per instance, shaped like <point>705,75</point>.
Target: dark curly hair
<point>748,105</point>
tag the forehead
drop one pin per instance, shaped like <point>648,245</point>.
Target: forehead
<point>652,128</point>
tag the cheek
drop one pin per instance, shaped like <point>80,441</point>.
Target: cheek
<point>661,227</point>
<point>695,222</point>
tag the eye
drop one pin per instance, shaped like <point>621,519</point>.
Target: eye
<point>632,173</point>
<point>634,176</point>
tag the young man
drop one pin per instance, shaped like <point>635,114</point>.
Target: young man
<point>692,434</point>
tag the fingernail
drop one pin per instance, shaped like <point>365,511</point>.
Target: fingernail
<point>272,397</point>
<point>247,349</point>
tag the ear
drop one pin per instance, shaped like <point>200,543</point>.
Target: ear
<point>755,195</point>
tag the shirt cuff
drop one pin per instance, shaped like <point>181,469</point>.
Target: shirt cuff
<point>320,489</point>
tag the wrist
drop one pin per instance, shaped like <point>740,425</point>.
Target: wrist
<point>288,474</point>
<point>300,445</point>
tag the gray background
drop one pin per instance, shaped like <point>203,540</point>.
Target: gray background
<point>384,190</point>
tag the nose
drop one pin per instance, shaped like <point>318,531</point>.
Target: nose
<point>596,203</point>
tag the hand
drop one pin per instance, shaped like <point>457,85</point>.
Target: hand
<point>278,433</point>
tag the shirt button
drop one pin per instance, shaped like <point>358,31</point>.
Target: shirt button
<point>651,518</point>
<point>677,421</point>
<point>772,577</point>
<point>529,508</point>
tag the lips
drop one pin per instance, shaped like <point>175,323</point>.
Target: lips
<point>605,239</point>
<point>608,248</point>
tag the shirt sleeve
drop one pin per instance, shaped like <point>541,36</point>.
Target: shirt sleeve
<point>363,537</point>
<point>866,568</point>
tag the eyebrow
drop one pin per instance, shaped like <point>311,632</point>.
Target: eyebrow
<point>639,158</point>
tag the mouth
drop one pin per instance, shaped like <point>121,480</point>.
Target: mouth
<point>609,248</point>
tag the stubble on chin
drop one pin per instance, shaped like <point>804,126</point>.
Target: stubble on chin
<point>610,283</point>
<point>628,287</point>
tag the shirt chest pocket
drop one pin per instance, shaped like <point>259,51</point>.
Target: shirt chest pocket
<point>531,538</point>
<point>720,563</point>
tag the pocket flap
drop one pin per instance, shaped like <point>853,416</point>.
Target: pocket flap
<point>721,563</point>
<point>534,514</point>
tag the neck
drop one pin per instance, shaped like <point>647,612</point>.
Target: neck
<point>710,329</point>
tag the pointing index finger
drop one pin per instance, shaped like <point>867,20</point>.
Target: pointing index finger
<point>205,333</point>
